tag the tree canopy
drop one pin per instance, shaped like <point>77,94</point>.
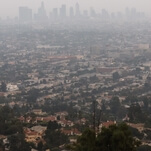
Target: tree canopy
<point>53,136</point>
<point>115,138</point>
<point>3,87</point>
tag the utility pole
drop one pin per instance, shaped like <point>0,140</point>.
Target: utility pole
<point>99,120</point>
<point>94,114</point>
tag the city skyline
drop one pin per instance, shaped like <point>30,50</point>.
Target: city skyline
<point>11,10</point>
<point>61,13</point>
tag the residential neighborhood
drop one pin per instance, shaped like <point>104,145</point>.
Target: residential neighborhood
<point>55,83</point>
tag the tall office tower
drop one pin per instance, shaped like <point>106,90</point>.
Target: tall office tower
<point>41,15</point>
<point>92,12</point>
<point>119,15</point>
<point>71,12</point>
<point>55,13</point>
<point>77,10</point>
<point>63,11</point>
<point>25,15</point>
<point>113,16</point>
<point>105,14</point>
<point>127,13</point>
<point>133,13</point>
<point>85,13</point>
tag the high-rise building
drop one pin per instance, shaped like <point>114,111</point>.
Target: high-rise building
<point>41,15</point>
<point>119,15</point>
<point>133,13</point>
<point>92,12</point>
<point>63,11</point>
<point>127,13</point>
<point>105,14</point>
<point>71,12</point>
<point>113,16</point>
<point>55,13</point>
<point>25,14</point>
<point>77,10</point>
<point>85,13</point>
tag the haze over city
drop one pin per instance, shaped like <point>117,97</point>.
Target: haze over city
<point>10,8</point>
<point>75,75</point>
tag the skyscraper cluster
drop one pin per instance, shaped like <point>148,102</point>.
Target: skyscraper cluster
<point>41,14</point>
<point>63,12</point>
<point>25,14</point>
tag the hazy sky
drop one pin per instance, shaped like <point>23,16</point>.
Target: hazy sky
<point>10,7</point>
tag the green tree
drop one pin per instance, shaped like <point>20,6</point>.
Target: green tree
<point>131,99</point>
<point>144,148</point>
<point>135,132</point>
<point>8,124</point>
<point>2,147</point>
<point>17,143</point>
<point>115,105</point>
<point>115,138</point>
<point>3,99</point>
<point>53,136</point>
<point>135,113</point>
<point>115,76</point>
<point>52,126</point>
<point>33,94</point>
<point>3,86</point>
<point>86,142</point>
<point>146,103</point>
<point>40,146</point>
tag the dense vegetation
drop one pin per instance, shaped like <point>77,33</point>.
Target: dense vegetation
<point>115,138</point>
